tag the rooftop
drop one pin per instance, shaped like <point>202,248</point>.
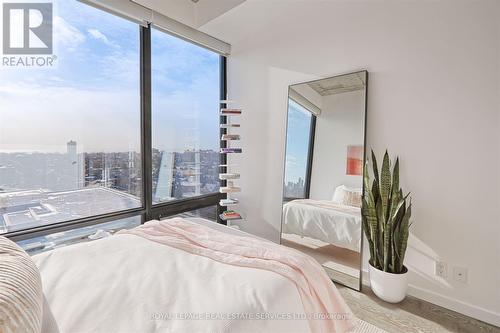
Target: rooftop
<point>32,208</point>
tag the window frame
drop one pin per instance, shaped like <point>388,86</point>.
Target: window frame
<point>310,153</point>
<point>310,156</point>
<point>147,211</point>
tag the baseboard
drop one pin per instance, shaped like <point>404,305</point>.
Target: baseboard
<point>450,303</point>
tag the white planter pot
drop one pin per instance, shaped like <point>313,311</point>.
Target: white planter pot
<point>388,286</point>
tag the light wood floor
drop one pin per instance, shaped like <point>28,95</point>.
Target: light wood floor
<point>341,265</point>
<point>410,316</point>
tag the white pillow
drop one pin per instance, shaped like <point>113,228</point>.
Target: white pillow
<point>339,194</point>
<point>347,196</point>
<point>21,295</point>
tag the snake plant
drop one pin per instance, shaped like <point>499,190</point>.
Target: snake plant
<point>386,217</point>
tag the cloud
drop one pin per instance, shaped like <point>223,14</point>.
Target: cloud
<point>66,35</point>
<point>121,65</point>
<point>96,34</point>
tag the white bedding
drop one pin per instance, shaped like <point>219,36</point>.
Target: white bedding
<point>126,283</point>
<point>324,220</point>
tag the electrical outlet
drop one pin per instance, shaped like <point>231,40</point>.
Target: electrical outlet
<point>460,274</point>
<point>441,269</point>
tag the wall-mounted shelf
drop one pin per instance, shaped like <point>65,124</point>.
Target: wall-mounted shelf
<point>230,137</point>
<point>230,112</point>
<point>225,204</point>
<point>230,189</point>
<point>228,202</point>
<point>231,150</point>
<point>230,215</point>
<point>227,174</point>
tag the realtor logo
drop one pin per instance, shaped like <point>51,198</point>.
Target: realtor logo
<point>27,28</point>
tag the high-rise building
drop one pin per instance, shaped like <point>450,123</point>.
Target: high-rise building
<point>165,176</point>
<point>71,148</point>
<point>75,167</point>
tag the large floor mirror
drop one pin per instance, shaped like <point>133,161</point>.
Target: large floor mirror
<point>325,154</point>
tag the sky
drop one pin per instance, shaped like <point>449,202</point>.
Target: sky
<point>92,95</point>
<point>297,142</point>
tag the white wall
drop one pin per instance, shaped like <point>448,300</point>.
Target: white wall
<point>433,100</point>
<point>340,124</point>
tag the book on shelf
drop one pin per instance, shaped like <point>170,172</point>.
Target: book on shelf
<point>230,137</point>
<point>229,125</point>
<point>231,150</point>
<point>230,112</point>
<point>229,189</point>
<point>230,215</point>
<point>225,176</point>
<point>228,202</point>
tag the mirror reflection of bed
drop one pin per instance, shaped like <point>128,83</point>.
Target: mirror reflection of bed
<point>323,173</point>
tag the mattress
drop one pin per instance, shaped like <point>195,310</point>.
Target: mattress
<point>126,283</point>
<point>324,220</point>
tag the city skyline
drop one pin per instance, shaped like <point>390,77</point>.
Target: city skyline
<point>45,188</point>
<point>62,150</point>
<point>294,189</point>
<point>65,162</point>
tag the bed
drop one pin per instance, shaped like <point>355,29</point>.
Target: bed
<point>328,221</point>
<point>126,283</point>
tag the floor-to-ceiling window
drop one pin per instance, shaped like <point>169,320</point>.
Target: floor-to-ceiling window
<point>185,118</point>
<point>70,133</point>
<point>74,136</point>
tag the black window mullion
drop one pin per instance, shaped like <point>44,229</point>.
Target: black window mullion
<point>73,224</point>
<point>310,153</point>
<point>174,207</point>
<point>146,137</point>
<point>222,120</point>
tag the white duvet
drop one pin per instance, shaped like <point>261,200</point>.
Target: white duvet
<point>126,283</point>
<point>324,220</point>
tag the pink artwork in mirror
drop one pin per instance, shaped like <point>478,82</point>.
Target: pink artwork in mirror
<point>354,160</point>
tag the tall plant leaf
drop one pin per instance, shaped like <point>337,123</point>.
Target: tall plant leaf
<point>396,223</point>
<point>385,186</point>
<point>387,246</point>
<point>404,235</point>
<point>367,218</point>
<point>375,190</point>
<point>375,167</point>
<point>395,198</point>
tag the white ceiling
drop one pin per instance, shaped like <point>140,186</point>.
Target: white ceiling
<point>251,17</point>
<point>193,13</point>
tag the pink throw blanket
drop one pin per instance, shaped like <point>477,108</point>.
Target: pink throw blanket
<point>319,296</point>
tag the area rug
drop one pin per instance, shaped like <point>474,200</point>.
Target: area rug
<point>364,327</point>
